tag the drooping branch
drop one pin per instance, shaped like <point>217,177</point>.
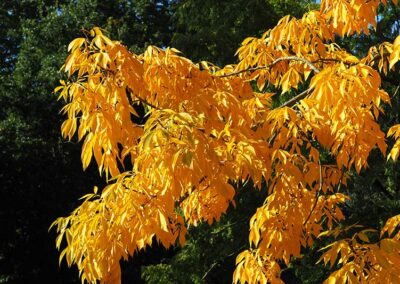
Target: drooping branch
<point>276,61</point>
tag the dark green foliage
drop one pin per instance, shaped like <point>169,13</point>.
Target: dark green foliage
<point>210,252</point>
<point>376,192</point>
<point>41,174</point>
<point>213,30</point>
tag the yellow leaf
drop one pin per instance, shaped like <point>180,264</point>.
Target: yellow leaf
<point>163,221</point>
<point>76,43</point>
<point>363,237</point>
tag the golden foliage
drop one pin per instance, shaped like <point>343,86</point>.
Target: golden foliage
<point>207,129</point>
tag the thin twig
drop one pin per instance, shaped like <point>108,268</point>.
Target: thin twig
<point>297,98</point>
<point>147,103</point>
<point>397,90</point>
<point>143,100</point>
<point>209,270</point>
<point>288,58</point>
<point>316,194</point>
<point>295,58</point>
<point>323,60</point>
<point>217,261</point>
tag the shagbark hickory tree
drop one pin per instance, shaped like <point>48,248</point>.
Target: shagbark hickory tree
<point>207,129</point>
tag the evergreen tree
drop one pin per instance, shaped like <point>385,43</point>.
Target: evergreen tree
<point>41,175</point>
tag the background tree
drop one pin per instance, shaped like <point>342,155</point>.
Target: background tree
<point>41,175</point>
<point>213,30</point>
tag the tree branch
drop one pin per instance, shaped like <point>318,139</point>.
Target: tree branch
<point>143,101</point>
<point>288,58</point>
<point>146,102</point>
<point>209,270</point>
<point>397,90</point>
<point>323,60</point>
<point>217,261</point>
<point>295,58</point>
<point>297,98</point>
<point>316,194</point>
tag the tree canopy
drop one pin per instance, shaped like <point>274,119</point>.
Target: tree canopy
<point>207,130</point>
<point>37,163</point>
